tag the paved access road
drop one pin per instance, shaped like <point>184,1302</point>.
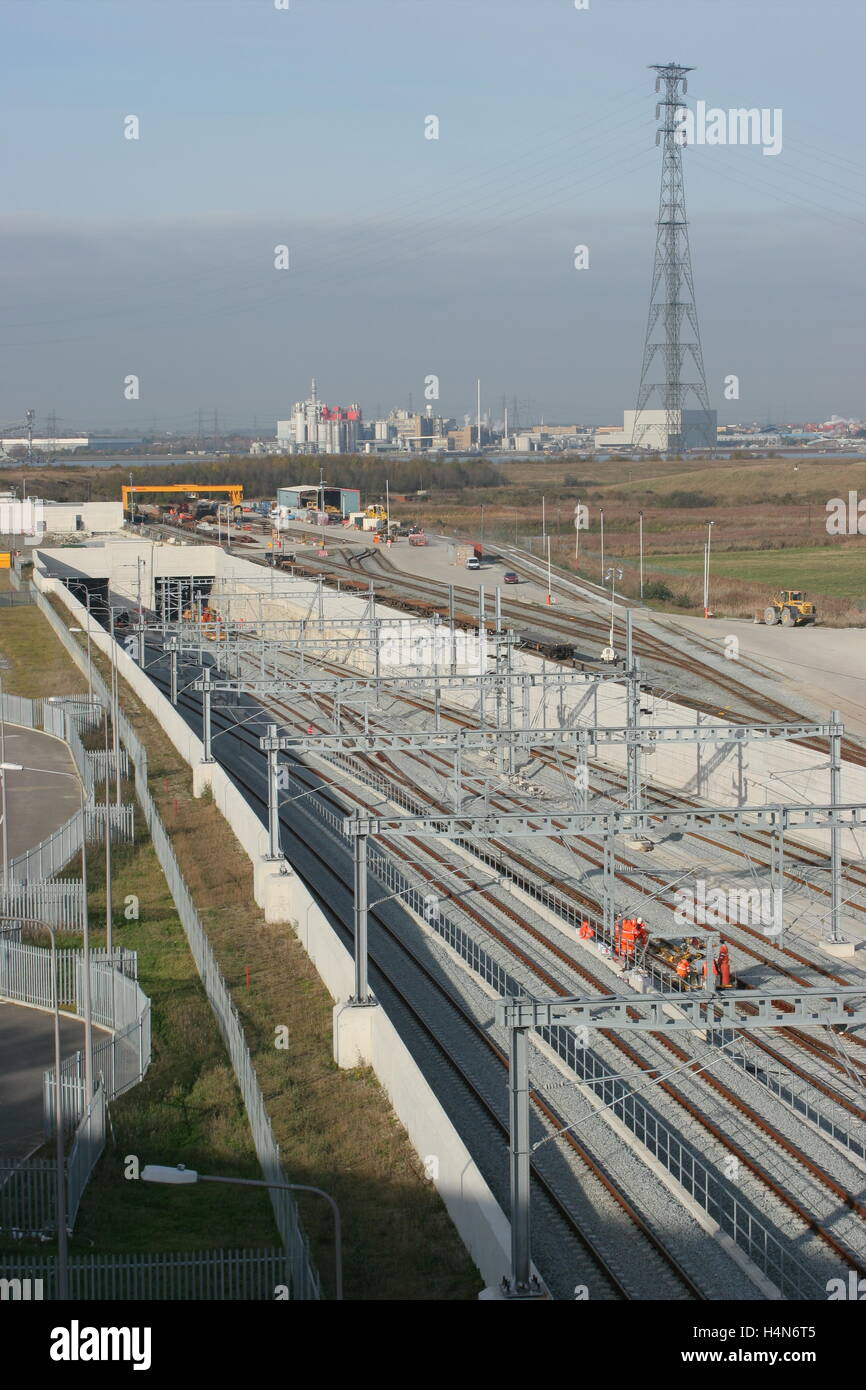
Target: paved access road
<point>37,802</point>
<point>26,1050</point>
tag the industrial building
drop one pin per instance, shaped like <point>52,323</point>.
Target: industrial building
<point>316,428</point>
<point>17,444</point>
<point>300,497</point>
<point>689,429</point>
<point>33,518</point>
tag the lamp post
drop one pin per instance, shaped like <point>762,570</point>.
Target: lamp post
<point>108,903</point>
<point>156,1172</point>
<point>88,1003</point>
<point>549,584</point>
<point>4,768</point>
<point>640,525</point>
<point>2,723</point>
<point>613,574</point>
<point>115,709</point>
<point>707,569</point>
<point>89,661</point>
<point>60,1158</point>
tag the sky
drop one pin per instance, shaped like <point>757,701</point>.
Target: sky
<point>261,127</point>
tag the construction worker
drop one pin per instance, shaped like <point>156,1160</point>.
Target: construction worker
<point>586,932</point>
<point>724,966</point>
<point>627,939</point>
<point>641,935</point>
<point>683,968</point>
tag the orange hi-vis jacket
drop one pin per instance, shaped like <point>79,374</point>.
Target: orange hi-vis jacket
<point>628,935</point>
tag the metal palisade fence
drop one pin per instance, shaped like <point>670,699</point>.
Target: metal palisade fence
<point>230,1275</point>
<point>55,901</point>
<point>85,1152</point>
<point>31,873</point>
<point>121,1059</point>
<point>28,1187</point>
<point>303,1280</point>
<point>26,975</point>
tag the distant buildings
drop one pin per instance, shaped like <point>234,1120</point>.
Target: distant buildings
<point>316,428</point>
<point>18,447</point>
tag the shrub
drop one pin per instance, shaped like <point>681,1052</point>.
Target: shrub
<point>683,601</point>
<point>658,589</point>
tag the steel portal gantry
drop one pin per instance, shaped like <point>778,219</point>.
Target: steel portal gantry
<point>662,1013</point>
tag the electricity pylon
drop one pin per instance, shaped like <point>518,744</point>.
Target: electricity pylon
<point>672,328</point>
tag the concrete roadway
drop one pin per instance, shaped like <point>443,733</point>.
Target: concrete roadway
<point>26,1050</point>
<point>824,665</point>
<point>36,804</point>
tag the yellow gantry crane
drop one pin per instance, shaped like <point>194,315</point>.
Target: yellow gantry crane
<point>234,490</point>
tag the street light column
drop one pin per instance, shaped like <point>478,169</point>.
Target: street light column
<point>180,1176</point>
<point>88,1002</point>
<point>60,1157</point>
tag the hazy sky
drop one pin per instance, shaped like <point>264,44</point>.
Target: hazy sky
<point>410,256</point>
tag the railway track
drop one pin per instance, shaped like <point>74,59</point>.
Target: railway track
<point>397,589</point>
<point>838,1248</point>
<point>570,902</point>
<point>649,1251</point>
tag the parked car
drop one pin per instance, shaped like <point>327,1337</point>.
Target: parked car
<point>510,577</point>
<point>473,563</point>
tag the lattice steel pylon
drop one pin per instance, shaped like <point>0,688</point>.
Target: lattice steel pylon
<point>672,333</point>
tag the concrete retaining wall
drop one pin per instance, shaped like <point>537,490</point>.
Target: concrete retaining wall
<point>479,1219</point>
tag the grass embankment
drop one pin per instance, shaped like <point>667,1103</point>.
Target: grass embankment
<point>188,1109</point>
<point>335,1129</point>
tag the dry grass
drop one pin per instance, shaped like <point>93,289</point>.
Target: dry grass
<point>38,665</point>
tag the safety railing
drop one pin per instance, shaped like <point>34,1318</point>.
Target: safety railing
<point>168,1276</point>
<point>59,902</point>
<point>27,976</point>
<point>16,709</point>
